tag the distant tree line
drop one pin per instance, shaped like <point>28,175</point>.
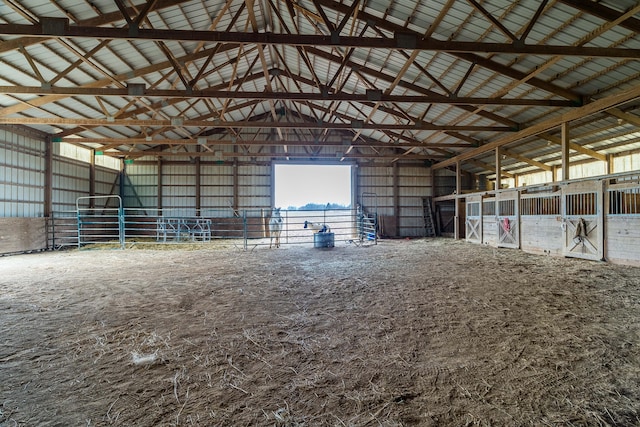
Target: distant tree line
<point>318,207</point>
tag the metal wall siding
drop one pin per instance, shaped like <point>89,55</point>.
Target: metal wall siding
<point>21,175</point>
<point>70,181</point>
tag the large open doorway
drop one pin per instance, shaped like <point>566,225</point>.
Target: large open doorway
<point>312,187</point>
<point>316,201</point>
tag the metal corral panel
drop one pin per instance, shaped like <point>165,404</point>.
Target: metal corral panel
<point>21,176</point>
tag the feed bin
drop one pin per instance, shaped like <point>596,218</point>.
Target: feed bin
<point>323,240</point>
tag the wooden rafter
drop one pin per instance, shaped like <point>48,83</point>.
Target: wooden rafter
<point>404,39</point>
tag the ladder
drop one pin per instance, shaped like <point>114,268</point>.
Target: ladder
<point>428,217</point>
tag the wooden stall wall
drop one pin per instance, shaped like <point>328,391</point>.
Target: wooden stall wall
<point>489,221</point>
<point>473,218</point>
<point>622,221</point>
<point>541,222</point>
<point>22,235</point>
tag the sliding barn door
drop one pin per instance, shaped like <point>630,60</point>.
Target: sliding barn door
<point>508,220</point>
<point>582,220</point>
<point>473,220</point>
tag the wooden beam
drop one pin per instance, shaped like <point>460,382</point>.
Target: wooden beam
<point>540,128</point>
<point>114,142</point>
<point>402,40</point>
<point>270,95</point>
<point>178,122</point>
<point>565,151</point>
<point>332,156</point>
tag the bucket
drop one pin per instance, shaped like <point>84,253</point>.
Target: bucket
<point>323,240</point>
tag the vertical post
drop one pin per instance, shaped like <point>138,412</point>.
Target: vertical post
<point>123,174</point>
<point>198,187</point>
<point>609,167</point>
<point>48,188</point>
<point>121,224</point>
<point>498,169</point>
<point>565,151</point>
<point>236,185</point>
<point>244,228</point>
<point>48,176</point>
<point>396,198</point>
<point>159,189</point>
<point>92,179</point>
<point>433,183</point>
<point>456,222</point>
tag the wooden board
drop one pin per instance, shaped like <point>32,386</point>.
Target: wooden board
<point>541,234</point>
<point>22,235</point>
<point>623,236</point>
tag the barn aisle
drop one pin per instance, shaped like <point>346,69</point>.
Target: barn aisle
<point>426,332</point>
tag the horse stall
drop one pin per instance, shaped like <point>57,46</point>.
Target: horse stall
<point>582,220</point>
<point>622,221</point>
<point>540,221</point>
<point>508,224</point>
<point>473,220</point>
<point>489,222</point>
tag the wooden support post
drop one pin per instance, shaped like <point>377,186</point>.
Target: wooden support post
<point>566,139</point>
<point>396,190</point>
<point>498,185</point>
<point>198,187</point>
<point>433,183</point>
<point>159,178</point>
<point>456,222</point>
<point>610,168</point>
<point>92,179</point>
<point>236,185</point>
<point>48,177</point>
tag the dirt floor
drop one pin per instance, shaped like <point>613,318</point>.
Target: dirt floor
<point>406,333</point>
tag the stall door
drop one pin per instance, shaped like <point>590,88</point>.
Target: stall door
<point>508,222</point>
<point>473,221</point>
<point>582,220</point>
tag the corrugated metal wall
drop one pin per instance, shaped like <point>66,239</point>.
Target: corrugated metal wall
<point>222,187</point>
<point>179,189</point>
<point>216,189</point>
<point>398,192</point>
<point>21,175</point>
<point>140,186</point>
<point>414,185</point>
<point>72,179</point>
<point>254,187</point>
<point>394,191</point>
